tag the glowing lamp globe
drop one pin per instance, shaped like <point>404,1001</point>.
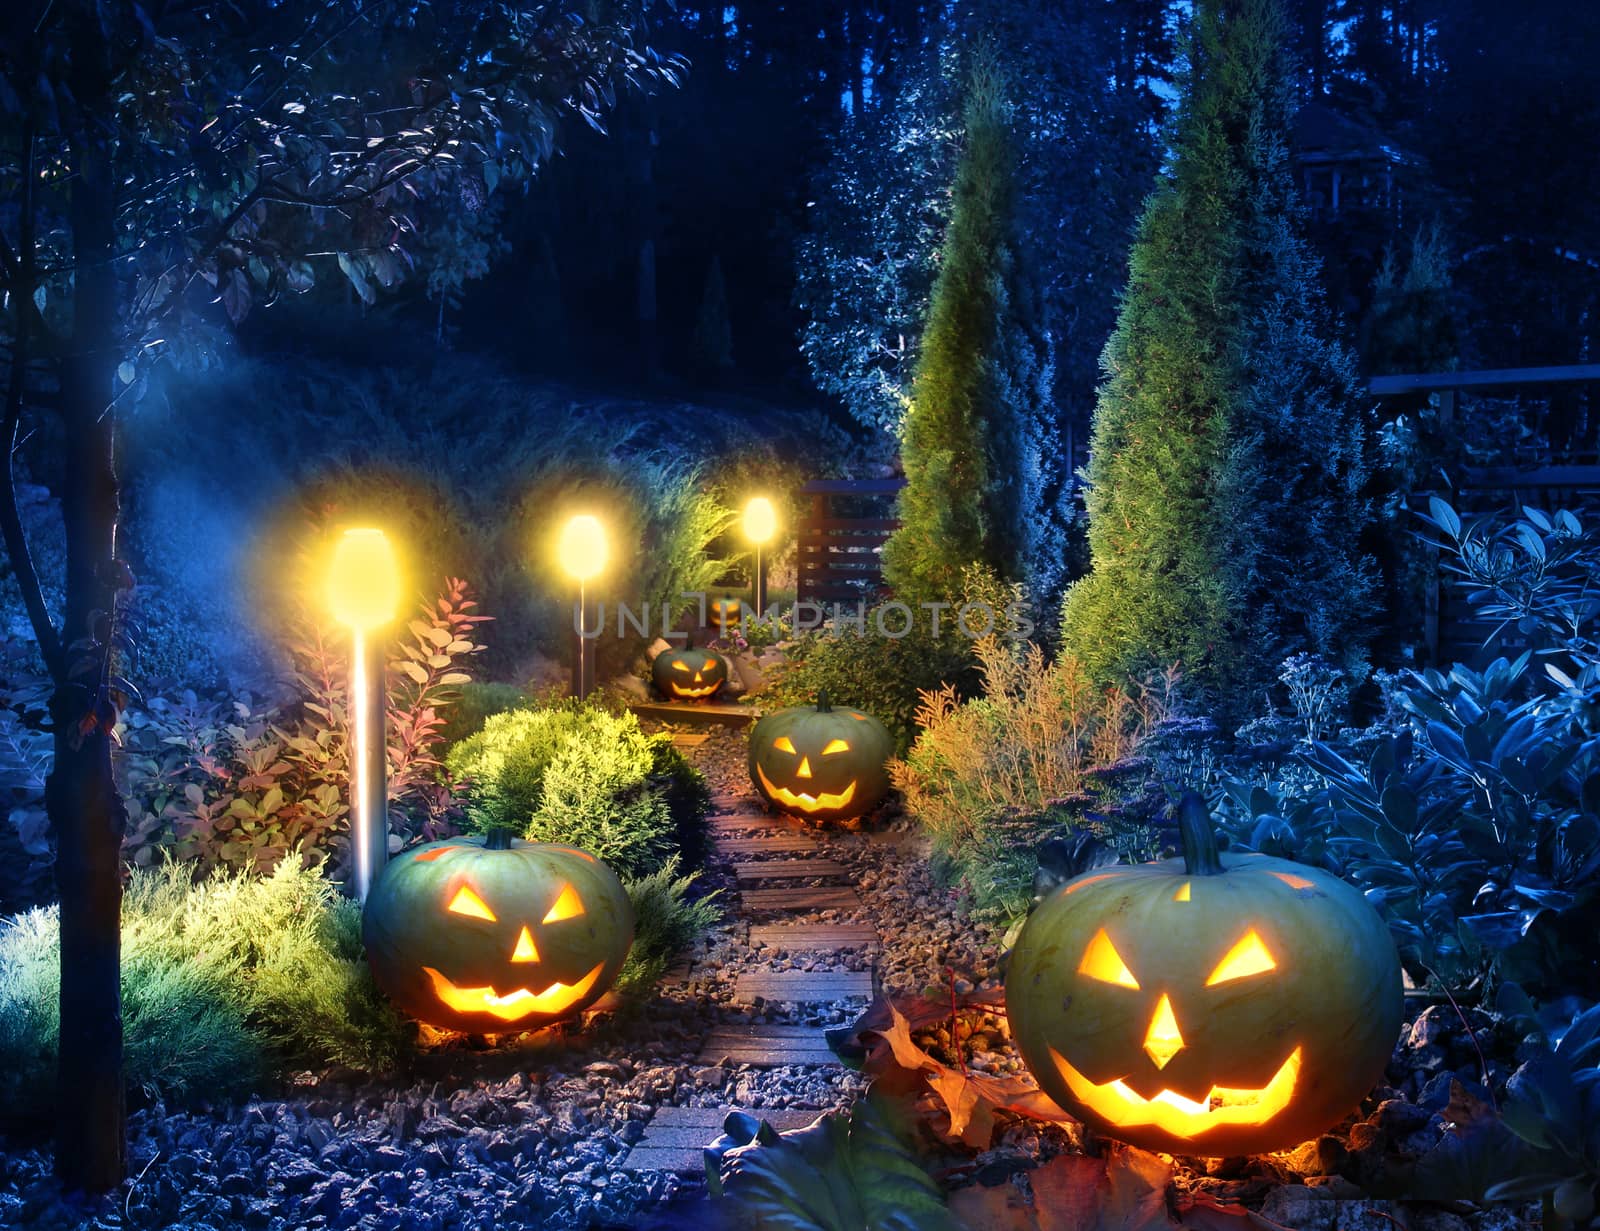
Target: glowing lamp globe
<point>1215,1005</point>
<point>582,549</point>
<point>760,520</point>
<point>363,583</point>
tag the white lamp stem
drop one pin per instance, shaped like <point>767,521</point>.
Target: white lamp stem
<point>369,805</point>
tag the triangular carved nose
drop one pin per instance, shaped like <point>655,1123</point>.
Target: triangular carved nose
<point>1163,1040</point>
<point>525,950</point>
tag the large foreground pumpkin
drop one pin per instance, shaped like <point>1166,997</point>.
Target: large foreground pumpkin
<point>493,934</point>
<point>821,761</point>
<point>1213,1005</point>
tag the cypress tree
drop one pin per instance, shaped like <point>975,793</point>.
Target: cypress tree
<point>1228,454</point>
<point>979,425</point>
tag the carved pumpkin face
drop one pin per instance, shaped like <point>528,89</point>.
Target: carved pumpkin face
<point>472,935</point>
<point>821,762</point>
<point>1215,1005</point>
<point>726,612</point>
<point>689,674</point>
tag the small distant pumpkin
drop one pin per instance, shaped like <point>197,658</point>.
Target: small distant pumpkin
<point>726,612</point>
<point>1217,1004</point>
<point>689,674</point>
<point>488,934</point>
<point>821,761</point>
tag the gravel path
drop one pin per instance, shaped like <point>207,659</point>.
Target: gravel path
<point>601,1128</point>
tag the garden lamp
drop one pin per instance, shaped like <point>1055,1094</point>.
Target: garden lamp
<point>760,524</point>
<point>583,555</point>
<point>363,587</point>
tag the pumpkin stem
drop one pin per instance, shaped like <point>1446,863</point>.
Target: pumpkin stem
<point>497,838</point>
<point>822,702</point>
<point>1200,855</point>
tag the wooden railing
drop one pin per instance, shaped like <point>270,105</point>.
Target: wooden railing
<point>839,551</point>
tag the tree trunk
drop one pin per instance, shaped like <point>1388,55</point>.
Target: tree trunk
<point>86,813</point>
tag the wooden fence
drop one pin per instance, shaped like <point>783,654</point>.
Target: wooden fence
<point>1452,631</point>
<point>841,539</point>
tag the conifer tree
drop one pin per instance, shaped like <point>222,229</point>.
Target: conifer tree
<point>979,425</point>
<point>1228,455</point>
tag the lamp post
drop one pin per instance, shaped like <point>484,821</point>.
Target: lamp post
<point>583,555</point>
<point>760,524</point>
<point>364,592</point>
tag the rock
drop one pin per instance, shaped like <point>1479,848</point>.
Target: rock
<point>1367,1216</point>
<point>1302,1208</point>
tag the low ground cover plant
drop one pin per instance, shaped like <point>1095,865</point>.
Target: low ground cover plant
<point>225,980</point>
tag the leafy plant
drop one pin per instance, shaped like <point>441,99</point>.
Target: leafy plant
<point>993,778</point>
<point>236,781</point>
<point>1476,827</point>
<point>841,1174</point>
<point>579,774</point>
<point>666,922</point>
<point>222,981</point>
<point>1554,1108</point>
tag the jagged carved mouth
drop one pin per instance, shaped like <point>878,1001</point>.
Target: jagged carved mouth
<point>1171,1112</point>
<point>799,799</point>
<point>683,690</point>
<point>515,1005</point>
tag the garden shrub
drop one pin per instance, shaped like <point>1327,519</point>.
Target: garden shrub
<point>578,774</point>
<point>879,675</point>
<point>223,981</point>
<point>666,921</point>
<point>475,703</point>
<point>235,781</point>
<point>994,777</point>
<point>1474,822</point>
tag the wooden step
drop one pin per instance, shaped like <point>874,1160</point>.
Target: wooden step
<point>676,1137</point>
<point>787,869</point>
<point>801,898</point>
<point>768,1046</point>
<point>783,844</point>
<point>813,937</point>
<point>694,714</point>
<point>683,739</point>
<point>803,986</point>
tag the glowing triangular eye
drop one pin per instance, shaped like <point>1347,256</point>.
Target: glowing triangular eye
<point>835,745</point>
<point>468,903</point>
<point>783,744</point>
<point>1102,961</point>
<point>525,951</point>
<point>1248,957</point>
<point>568,906</point>
<point>680,666</point>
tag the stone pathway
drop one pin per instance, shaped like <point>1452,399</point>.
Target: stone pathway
<point>782,882</point>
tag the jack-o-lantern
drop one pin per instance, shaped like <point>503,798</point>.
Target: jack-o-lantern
<point>726,612</point>
<point>689,674</point>
<point>1213,1005</point>
<point>487,934</point>
<point>821,761</point>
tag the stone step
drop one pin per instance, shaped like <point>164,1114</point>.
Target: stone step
<point>785,844</point>
<point>787,869</point>
<point>768,1046</point>
<point>675,1137</point>
<point>800,899</point>
<point>803,986</point>
<point>813,937</point>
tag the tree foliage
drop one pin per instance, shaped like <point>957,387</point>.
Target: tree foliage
<point>1228,455</point>
<point>975,441</point>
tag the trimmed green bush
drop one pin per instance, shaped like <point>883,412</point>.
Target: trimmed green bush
<point>223,981</point>
<point>578,774</point>
<point>475,704</point>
